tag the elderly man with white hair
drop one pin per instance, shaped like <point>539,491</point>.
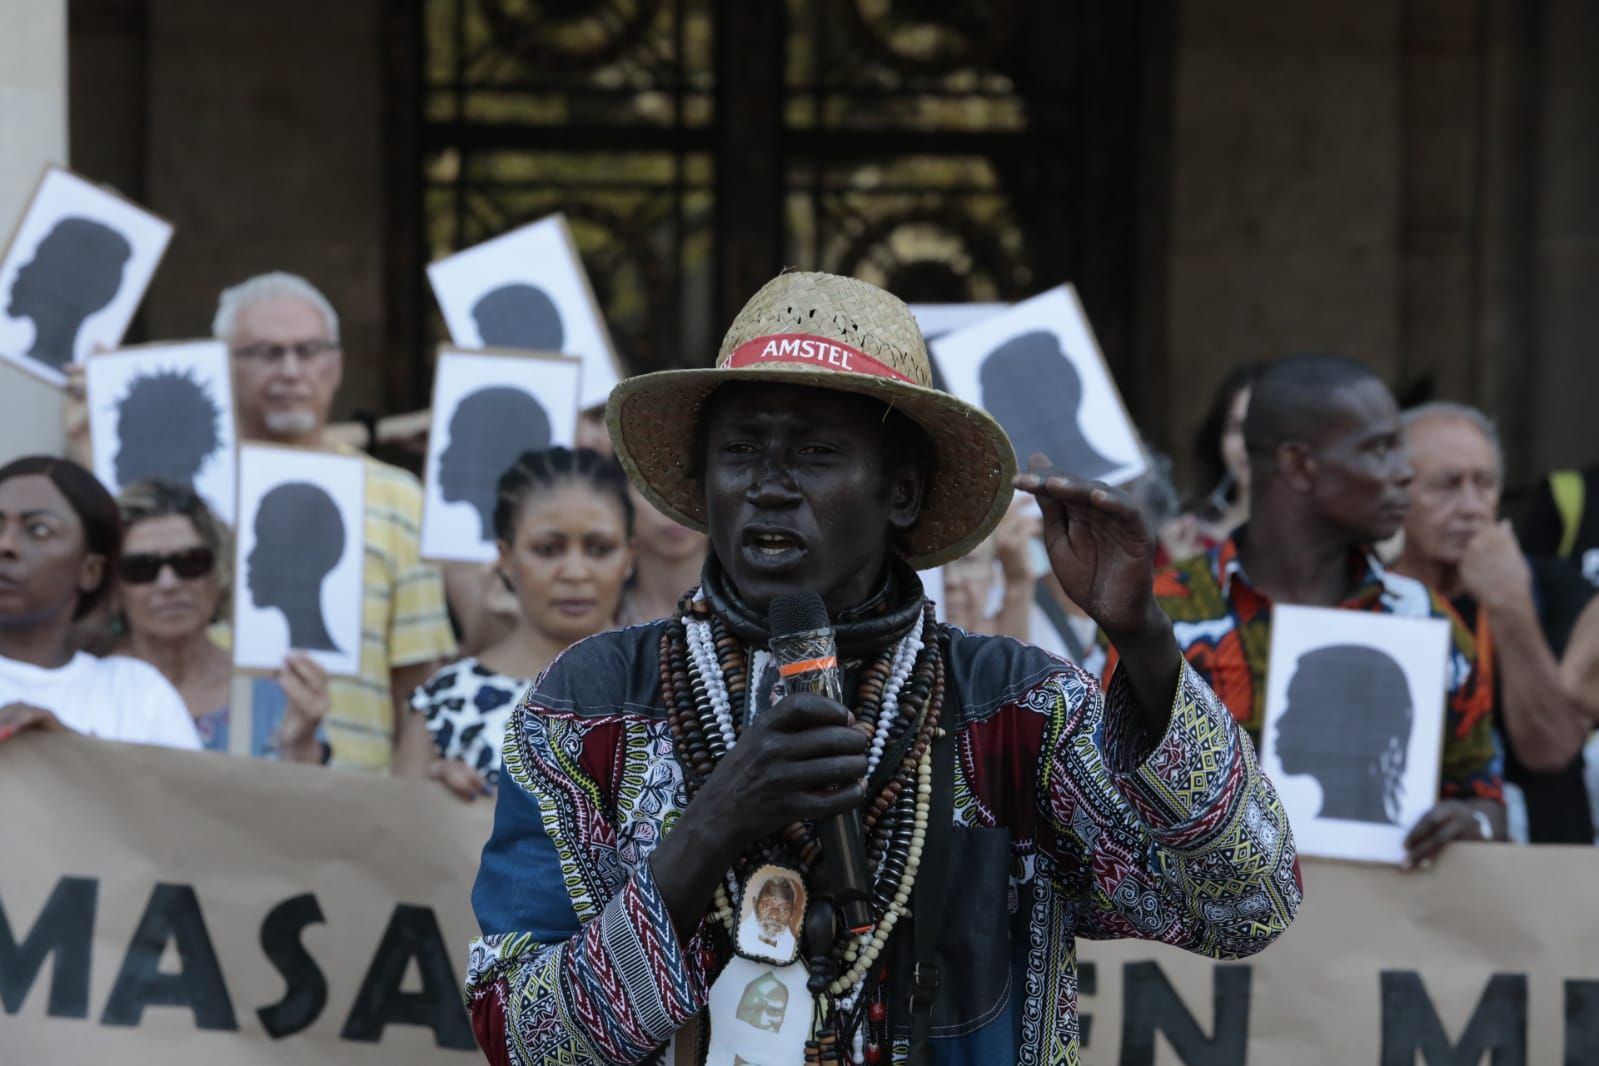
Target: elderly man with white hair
<point>287,366</point>
<point>1521,613</point>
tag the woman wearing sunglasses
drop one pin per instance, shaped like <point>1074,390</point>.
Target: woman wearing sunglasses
<point>173,589</point>
<point>60,539</point>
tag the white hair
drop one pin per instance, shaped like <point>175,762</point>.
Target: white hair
<point>1448,410</point>
<point>272,286</point>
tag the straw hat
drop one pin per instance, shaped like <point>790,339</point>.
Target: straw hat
<point>828,332</point>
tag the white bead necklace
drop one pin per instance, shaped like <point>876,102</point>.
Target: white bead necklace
<point>863,951</point>
<point>702,652</point>
<point>862,954</point>
<point>899,672</point>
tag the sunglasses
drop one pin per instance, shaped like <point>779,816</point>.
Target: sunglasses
<point>188,564</point>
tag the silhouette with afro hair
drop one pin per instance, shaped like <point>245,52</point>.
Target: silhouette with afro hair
<point>519,316</point>
<point>1035,393</point>
<point>491,428</point>
<point>75,271</point>
<point>299,539</point>
<point>168,425</point>
<point>1347,724</point>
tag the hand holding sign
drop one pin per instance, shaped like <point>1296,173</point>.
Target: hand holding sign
<point>1451,820</point>
<point>1353,727</point>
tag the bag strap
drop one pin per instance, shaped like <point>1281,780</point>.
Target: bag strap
<point>1567,489</point>
<point>1058,618</point>
<point>929,896</point>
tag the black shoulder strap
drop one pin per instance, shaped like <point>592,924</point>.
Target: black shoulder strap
<point>929,896</point>
<point>1060,620</point>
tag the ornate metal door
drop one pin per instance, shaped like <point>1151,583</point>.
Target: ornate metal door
<point>951,151</point>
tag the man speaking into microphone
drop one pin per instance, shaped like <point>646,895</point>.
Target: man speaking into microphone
<point>945,829</point>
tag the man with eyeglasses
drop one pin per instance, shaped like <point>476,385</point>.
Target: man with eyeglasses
<point>287,367</point>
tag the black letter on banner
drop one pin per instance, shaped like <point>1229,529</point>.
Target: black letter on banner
<point>307,989</point>
<point>1151,1005</point>
<point>66,929</point>
<point>413,932</point>
<point>1087,985</point>
<point>1410,1024</point>
<point>1582,1023</point>
<point>173,913</point>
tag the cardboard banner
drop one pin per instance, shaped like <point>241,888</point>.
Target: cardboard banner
<point>174,907</point>
<point>1488,957</point>
<point>181,907</point>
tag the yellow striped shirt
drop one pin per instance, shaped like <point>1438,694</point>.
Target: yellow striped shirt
<point>404,620</point>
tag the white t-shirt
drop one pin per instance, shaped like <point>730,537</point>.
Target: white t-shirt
<point>115,698</point>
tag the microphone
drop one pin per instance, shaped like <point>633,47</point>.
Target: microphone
<point>807,661</point>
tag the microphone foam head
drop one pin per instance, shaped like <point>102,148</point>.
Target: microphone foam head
<point>796,612</point>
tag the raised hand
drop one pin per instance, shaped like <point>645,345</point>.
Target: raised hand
<point>1100,551</point>
<point>1104,558</point>
<point>305,689</point>
<point>75,415</point>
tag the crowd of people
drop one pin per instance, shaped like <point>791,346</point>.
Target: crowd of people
<point>114,612</point>
<point>1311,488</point>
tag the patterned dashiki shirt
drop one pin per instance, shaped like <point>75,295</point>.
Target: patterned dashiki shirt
<point>1223,624</point>
<point>1068,823</point>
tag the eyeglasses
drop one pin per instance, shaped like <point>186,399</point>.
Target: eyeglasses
<point>188,564</point>
<point>274,354</point>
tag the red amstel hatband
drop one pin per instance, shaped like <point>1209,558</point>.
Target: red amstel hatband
<point>819,352</point>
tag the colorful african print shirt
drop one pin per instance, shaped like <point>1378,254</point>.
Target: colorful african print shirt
<point>403,619</point>
<point>1058,834</point>
<point>1223,624</point>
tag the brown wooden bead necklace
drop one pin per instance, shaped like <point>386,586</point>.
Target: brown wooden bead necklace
<point>888,818</point>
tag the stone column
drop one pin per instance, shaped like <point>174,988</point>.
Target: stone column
<point>33,132</point>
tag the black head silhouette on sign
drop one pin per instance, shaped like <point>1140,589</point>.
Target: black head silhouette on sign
<point>1036,394</point>
<point>75,271</point>
<point>519,316</point>
<point>489,430</point>
<point>168,425</point>
<point>1347,724</point>
<point>299,539</point>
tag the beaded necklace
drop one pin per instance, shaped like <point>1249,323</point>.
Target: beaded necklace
<point>706,673</point>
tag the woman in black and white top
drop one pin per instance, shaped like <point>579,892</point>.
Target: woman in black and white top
<point>564,526</point>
